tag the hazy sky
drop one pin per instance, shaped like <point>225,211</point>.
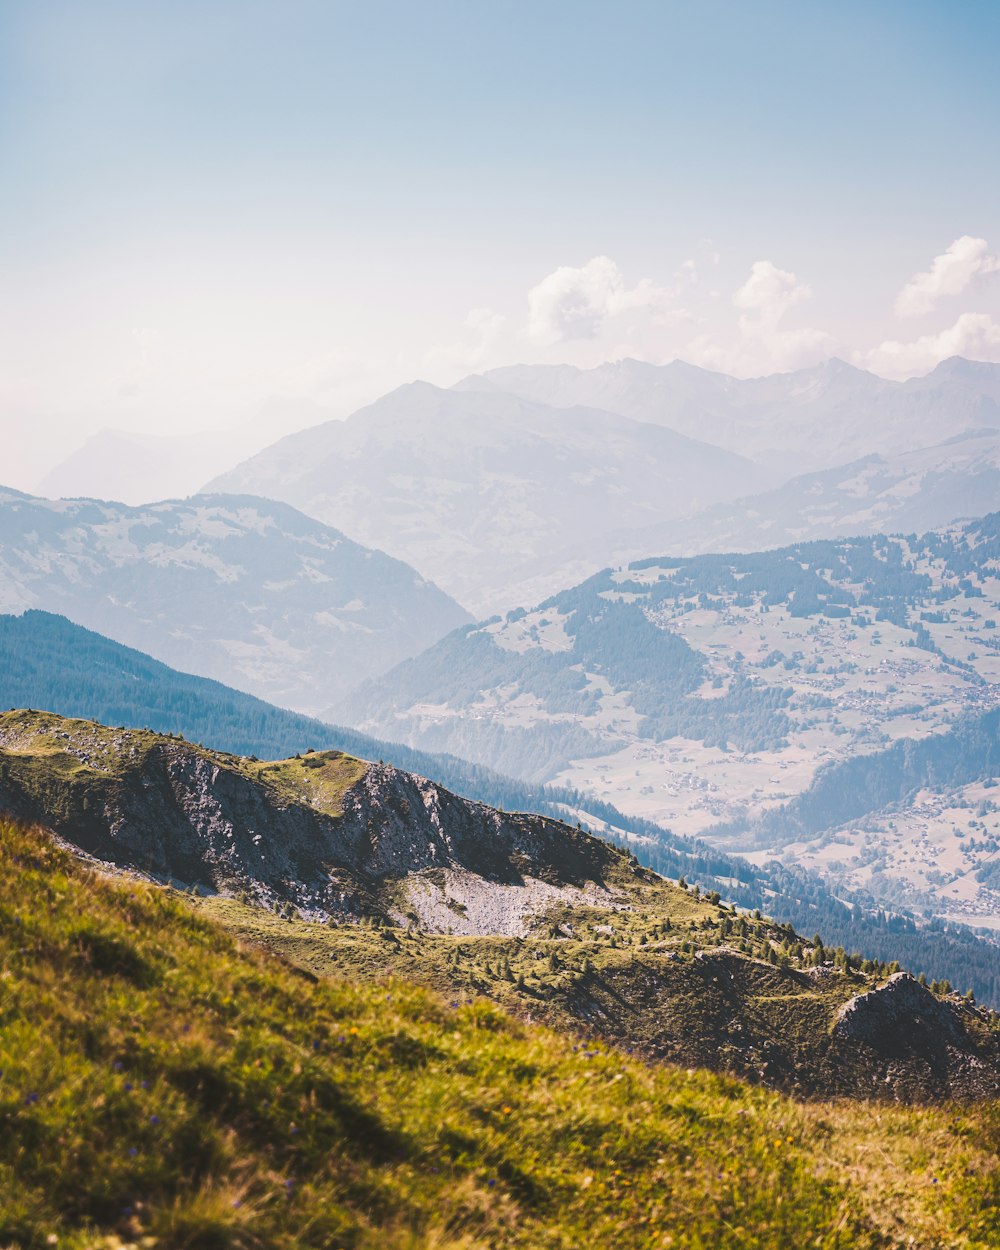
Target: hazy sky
<point>207,206</point>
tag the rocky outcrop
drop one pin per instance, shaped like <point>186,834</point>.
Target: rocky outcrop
<point>181,813</point>
<point>916,1044</point>
<point>896,1015</point>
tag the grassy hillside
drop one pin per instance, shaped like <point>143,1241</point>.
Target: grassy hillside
<point>164,1086</point>
<point>547,920</point>
<point>669,974</point>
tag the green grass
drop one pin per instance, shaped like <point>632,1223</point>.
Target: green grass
<point>670,976</point>
<point>165,1086</point>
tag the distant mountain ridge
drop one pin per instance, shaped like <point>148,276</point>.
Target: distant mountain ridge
<point>514,483</point>
<point>245,590</point>
<point>911,491</point>
<point>492,496</point>
<point>797,422</point>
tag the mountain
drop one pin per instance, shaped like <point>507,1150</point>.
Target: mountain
<point>708,690</point>
<point>914,490</point>
<point>179,1088</point>
<point>244,590</point>
<point>816,418</point>
<point>47,662</point>
<point>526,478</point>
<point>339,840</point>
<point>137,468</point>
<point>495,498</point>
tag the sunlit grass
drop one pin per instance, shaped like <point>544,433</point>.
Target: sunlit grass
<point>163,1085</point>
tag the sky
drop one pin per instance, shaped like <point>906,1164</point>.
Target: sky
<point>246,215</point>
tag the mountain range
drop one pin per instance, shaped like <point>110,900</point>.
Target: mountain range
<point>796,422</point>
<point>245,590</point>
<point>514,483</point>
<point>491,495</point>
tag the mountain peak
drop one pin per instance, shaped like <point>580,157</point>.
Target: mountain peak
<point>962,367</point>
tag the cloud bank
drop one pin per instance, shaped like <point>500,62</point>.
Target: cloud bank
<point>975,335</point>
<point>951,273</point>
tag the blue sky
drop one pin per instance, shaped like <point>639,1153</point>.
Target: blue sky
<point>209,204</point>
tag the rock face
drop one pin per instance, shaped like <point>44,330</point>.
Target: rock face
<point>327,833</point>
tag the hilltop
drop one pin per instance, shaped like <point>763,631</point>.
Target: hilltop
<point>364,869</point>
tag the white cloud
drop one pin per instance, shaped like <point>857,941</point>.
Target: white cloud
<point>574,303</point>
<point>974,335</point>
<point>769,291</point>
<point>763,344</point>
<point>949,274</point>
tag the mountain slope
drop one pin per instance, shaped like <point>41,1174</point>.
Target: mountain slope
<point>912,491</point>
<point>259,1107</point>
<point>47,662</point>
<point>240,589</point>
<point>336,838</point>
<point>324,830</point>
<point>493,497</point>
<point>707,689</point>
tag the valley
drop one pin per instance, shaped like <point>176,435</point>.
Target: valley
<point>704,693</point>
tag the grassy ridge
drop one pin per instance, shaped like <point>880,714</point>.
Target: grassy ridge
<point>163,1086</point>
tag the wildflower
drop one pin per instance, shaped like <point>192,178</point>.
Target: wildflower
<point>154,1119</point>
